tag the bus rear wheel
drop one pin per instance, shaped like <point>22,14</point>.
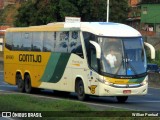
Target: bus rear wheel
<point>20,83</point>
<point>122,99</point>
<point>27,81</point>
<point>80,91</point>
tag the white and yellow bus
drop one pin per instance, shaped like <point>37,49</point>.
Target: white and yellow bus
<point>72,58</point>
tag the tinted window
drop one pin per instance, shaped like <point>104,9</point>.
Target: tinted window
<point>37,44</point>
<point>9,40</point>
<point>62,39</point>
<point>87,37</point>
<point>49,41</point>
<point>75,45</point>
<point>74,40</point>
<point>17,41</point>
<point>93,59</point>
<point>26,41</point>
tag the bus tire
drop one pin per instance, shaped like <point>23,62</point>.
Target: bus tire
<point>80,90</point>
<point>122,99</point>
<point>20,83</point>
<point>27,81</point>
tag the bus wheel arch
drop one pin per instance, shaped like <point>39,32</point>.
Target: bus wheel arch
<point>27,83</point>
<point>80,89</point>
<point>20,82</point>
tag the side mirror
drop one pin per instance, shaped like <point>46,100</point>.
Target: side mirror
<point>98,49</point>
<point>151,49</point>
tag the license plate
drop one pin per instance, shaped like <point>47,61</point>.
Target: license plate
<point>126,91</point>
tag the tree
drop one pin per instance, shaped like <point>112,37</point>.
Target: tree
<point>92,10</point>
<point>67,8</point>
<point>118,10</point>
<point>39,12</point>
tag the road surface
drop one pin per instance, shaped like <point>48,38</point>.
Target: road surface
<point>149,102</point>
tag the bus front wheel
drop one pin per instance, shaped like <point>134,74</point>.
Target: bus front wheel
<point>80,90</point>
<point>27,81</point>
<point>122,99</point>
<point>20,83</point>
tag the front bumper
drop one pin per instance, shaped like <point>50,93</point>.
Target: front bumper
<point>106,90</point>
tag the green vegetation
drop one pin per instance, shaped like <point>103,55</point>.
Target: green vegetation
<point>27,103</point>
<point>48,107</point>
<point>59,109</point>
<point>40,12</point>
<point>157,59</point>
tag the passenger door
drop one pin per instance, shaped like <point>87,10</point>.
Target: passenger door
<point>93,72</point>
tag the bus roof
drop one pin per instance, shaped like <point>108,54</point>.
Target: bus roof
<point>110,29</point>
<point>99,28</point>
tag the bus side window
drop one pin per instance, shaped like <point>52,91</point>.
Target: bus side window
<point>49,41</point>
<point>17,41</point>
<point>75,45</point>
<point>37,42</point>
<point>62,39</point>
<point>26,41</point>
<point>9,40</point>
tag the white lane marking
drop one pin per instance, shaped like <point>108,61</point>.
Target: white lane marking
<point>3,83</point>
<point>102,105</point>
<point>154,88</point>
<point>154,101</point>
<point>2,90</point>
<point>149,101</point>
<point>7,85</point>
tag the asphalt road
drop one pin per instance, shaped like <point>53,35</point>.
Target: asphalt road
<point>149,102</point>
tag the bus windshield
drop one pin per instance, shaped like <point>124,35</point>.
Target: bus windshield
<point>122,56</point>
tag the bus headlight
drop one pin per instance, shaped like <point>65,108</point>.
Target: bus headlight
<point>145,81</point>
<point>102,80</point>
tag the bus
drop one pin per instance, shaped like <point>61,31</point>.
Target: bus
<point>73,58</point>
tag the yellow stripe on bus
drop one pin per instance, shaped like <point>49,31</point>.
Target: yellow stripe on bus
<point>76,65</point>
<point>116,81</point>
